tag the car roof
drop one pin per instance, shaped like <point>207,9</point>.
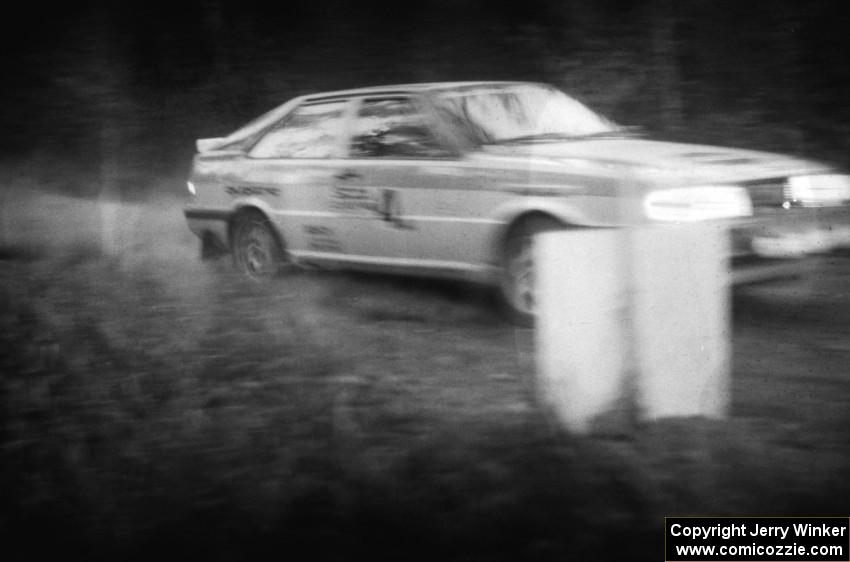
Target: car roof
<point>407,88</point>
<point>275,114</point>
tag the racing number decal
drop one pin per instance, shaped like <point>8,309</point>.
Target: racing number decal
<point>389,209</point>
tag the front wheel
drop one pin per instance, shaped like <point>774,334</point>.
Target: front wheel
<point>257,251</point>
<point>518,276</point>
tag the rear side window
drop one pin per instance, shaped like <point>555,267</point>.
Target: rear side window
<point>310,131</point>
<point>393,128</point>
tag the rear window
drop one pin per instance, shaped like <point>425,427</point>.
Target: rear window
<point>310,131</point>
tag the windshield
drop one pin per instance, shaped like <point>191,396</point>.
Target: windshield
<point>498,114</point>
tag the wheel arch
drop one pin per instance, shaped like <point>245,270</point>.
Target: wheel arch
<point>258,247</point>
<point>511,220</point>
<point>249,208</point>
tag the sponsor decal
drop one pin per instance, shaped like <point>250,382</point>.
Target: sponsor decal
<point>322,238</point>
<point>347,198</point>
<point>248,191</point>
<point>385,204</point>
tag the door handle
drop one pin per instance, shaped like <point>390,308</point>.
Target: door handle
<point>346,175</point>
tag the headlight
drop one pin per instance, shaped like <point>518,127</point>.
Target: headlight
<point>690,204</point>
<point>819,190</point>
<point>191,187</point>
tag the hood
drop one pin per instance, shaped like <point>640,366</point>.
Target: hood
<point>659,160</point>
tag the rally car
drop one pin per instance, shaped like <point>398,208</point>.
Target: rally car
<point>454,179</point>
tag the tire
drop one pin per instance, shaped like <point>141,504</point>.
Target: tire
<point>517,268</point>
<point>257,249</point>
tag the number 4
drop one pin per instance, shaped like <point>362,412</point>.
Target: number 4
<point>390,209</point>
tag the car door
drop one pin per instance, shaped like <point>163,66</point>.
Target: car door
<point>393,153</point>
<point>292,168</point>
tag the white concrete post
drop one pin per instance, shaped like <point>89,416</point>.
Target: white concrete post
<point>580,339</point>
<point>682,320</point>
<point>658,311</point>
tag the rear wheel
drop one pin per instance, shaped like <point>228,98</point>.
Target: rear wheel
<point>518,277</point>
<point>257,251</point>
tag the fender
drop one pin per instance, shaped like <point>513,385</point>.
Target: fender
<point>559,208</point>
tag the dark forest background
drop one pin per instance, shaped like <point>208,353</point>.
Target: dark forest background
<point>128,86</point>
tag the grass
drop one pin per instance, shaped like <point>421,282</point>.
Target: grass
<point>153,405</point>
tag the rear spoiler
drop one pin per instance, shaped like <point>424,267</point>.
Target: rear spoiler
<point>207,145</point>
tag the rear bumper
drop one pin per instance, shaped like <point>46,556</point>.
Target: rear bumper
<point>202,214</point>
<point>210,225</point>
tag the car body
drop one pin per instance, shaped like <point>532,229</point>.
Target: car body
<point>454,179</point>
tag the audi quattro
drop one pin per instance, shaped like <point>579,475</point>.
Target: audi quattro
<point>455,179</point>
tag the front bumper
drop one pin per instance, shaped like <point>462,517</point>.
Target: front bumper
<point>780,243</point>
<point>746,271</point>
<point>794,232</point>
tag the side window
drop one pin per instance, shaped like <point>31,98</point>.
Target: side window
<point>310,131</point>
<point>393,128</point>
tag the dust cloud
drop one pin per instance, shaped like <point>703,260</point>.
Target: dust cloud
<point>148,234</point>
